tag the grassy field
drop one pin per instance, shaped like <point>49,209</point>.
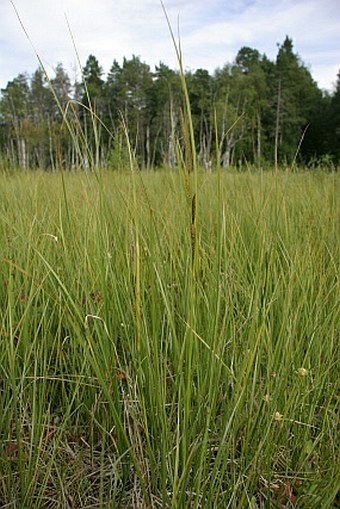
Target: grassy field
<point>133,378</point>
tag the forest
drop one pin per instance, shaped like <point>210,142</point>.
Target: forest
<point>252,111</point>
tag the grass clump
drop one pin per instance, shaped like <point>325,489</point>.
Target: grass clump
<point>230,401</point>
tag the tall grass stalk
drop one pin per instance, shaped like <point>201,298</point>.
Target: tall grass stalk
<point>185,450</point>
<point>134,240</point>
<point>190,167</point>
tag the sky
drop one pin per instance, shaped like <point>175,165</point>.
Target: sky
<point>211,33</point>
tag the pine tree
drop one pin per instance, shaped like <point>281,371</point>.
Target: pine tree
<point>296,97</point>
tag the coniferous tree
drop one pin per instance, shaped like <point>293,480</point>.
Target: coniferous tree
<point>134,84</point>
<point>251,80</point>
<point>93,106</point>
<point>93,83</point>
<point>297,93</point>
<point>200,85</point>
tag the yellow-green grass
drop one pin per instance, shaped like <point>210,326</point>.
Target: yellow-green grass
<point>126,382</point>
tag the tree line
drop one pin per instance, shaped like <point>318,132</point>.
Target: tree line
<point>251,111</point>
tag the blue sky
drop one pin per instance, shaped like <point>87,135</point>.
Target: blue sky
<point>212,31</point>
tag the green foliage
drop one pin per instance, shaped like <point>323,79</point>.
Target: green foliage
<point>90,420</point>
<point>250,111</point>
<point>119,156</point>
<point>299,99</point>
<point>92,74</point>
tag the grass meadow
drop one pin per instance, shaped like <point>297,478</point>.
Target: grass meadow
<point>141,370</point>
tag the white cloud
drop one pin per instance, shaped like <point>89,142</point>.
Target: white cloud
<point>211,32</point>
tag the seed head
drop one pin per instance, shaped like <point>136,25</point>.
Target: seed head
<point>278,417</point>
